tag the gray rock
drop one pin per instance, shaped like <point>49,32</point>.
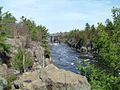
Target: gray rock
<point>34,49</point>
<point>83,49</point>
<point>3,70</point>
<point>52,78</point>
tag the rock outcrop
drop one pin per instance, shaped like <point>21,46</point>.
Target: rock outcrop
<point>33,48</point>
<point>52,78</point>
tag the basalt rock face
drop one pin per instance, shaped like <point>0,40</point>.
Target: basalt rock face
<point>33,48</point>
<point>52,78</point>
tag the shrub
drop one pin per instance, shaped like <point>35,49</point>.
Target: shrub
<point>22,60</point>
<point>10,79</point>
<point>99,79</point>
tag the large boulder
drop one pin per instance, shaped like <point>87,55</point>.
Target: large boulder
<point>52,78</point>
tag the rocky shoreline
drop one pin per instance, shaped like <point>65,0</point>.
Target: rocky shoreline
<point>52,78</point>
<point>85,52</point>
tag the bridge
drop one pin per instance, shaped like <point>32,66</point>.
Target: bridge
<point>54,38</point>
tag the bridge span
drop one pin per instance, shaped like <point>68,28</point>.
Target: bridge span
<point>54,38</point>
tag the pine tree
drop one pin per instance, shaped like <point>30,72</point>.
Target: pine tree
<point>116,34</point>
<point>87,27</point>
<point>3,47</point>
<point>109,27</point>
<point>22,60</point>
<point>106,51</point>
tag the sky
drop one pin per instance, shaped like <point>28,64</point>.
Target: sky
<point>61,15</point>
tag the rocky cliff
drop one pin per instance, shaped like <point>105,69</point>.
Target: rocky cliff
<point>33,48</point>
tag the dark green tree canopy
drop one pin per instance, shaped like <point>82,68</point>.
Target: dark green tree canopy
<point>87,27</point>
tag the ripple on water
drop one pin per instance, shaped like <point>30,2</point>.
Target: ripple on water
<point>65,57</point>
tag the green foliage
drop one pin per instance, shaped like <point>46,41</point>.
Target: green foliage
<point>22,60</point>
<point>3,83</point>
<point>1,13</point>
<point>10,79</point>
<point>100,80</point>
<point>87,27</point>
<point>37,33</point>
<point>28,60</point>
<point>116,16</point>
<point>108,47</point>
<point>109,27</point>
<point>93,28</point>
<point>8,18</point>
<point>116,33</point>
<point>18,60</point>
<point>83,38</point>
<point>106,52</point>
<point>105,76</point>
<point>3,47</point>
<point>102,45</point>
<point>8,21</point>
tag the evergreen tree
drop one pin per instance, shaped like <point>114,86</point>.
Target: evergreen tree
<point>116,34</point>
<point>109,27</point>
<point>3,47</point>
<point>93,28</point>
<point>87,27</point>
<point>22,60</point>
<point>106,51</point>
<point>8,21</point>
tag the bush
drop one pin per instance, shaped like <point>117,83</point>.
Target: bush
<point>10,79</point>
<point>100,80</point>
<point>22,60</point>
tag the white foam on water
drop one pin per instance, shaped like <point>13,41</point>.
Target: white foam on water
<point>72,63</point>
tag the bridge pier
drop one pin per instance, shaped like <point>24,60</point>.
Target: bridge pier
<point>54,39</point>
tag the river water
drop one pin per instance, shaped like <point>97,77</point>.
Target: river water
<point>66,58</point>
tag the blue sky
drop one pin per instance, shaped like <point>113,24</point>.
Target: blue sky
<point>62,15</point>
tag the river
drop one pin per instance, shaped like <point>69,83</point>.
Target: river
<point>66,58</point>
